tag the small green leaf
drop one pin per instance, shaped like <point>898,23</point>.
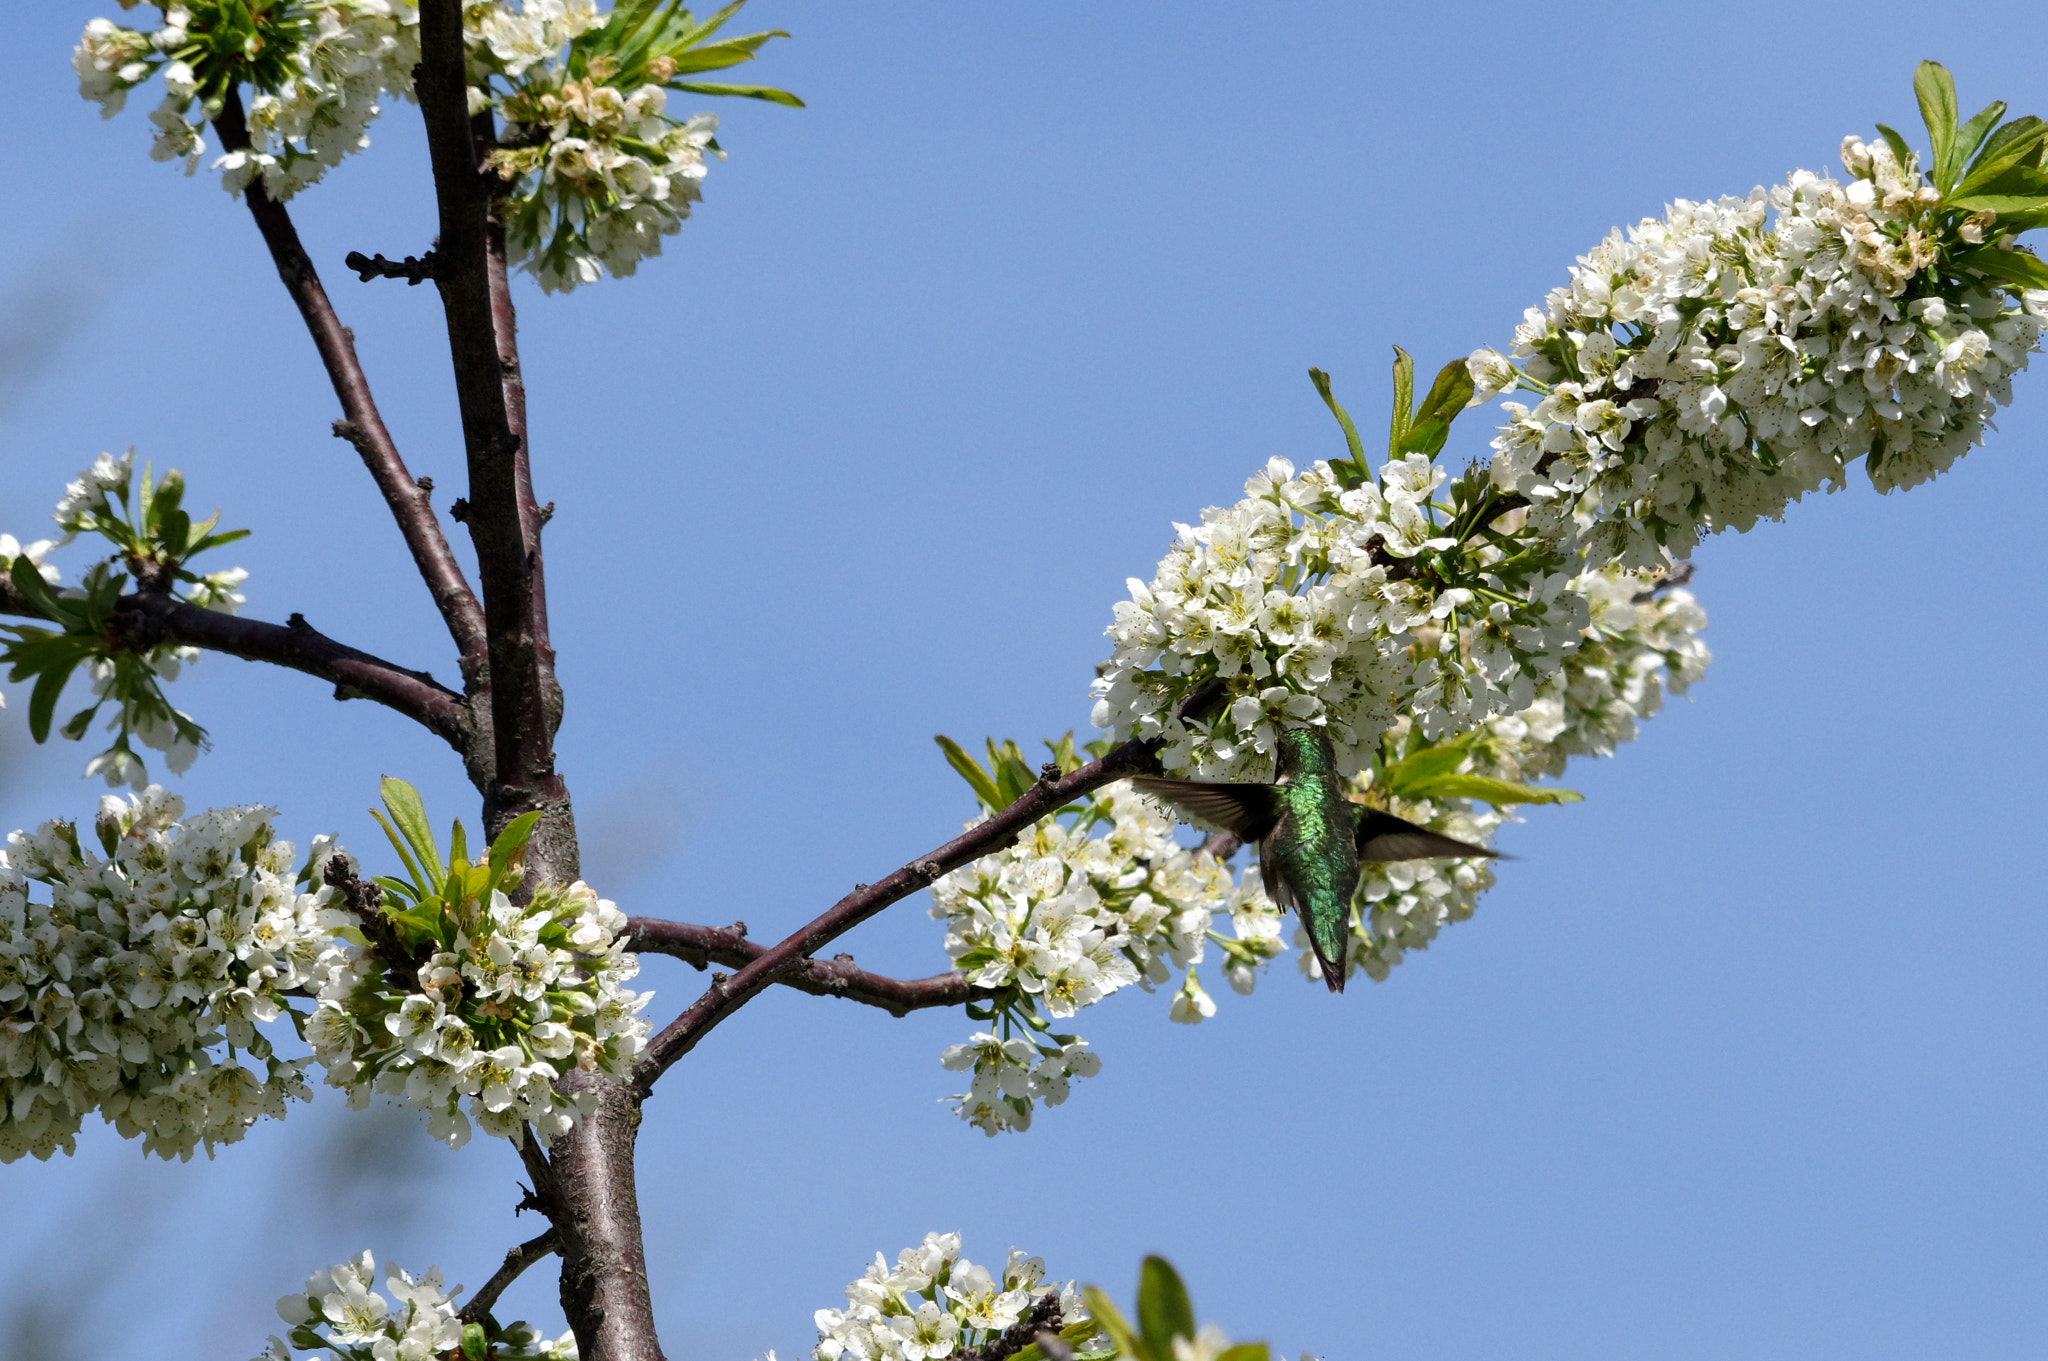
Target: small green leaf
<point>1351,440</point>
<point>1404,397</point>
<point>474,1347</point>
<point>1971,138</point>
<point>510,843</point>
<point>1432,424</point>
<point>1499,793</point>
<point>458,843</point>
<point>419,886</point>
<point>1164,1312</point>
<point>1112,1322</point>
<point>42,701</point>
<point>2016,144</point>
<point>403,803</point>
<point>1407,779</point>
<point>970,771</point>
<point>1245,1351</point>
<point>1902,151</point>
<point>2010,266</point>
<point>773,96</point>
<point>1937,95</point>
<point>2004,205</point>
<point>29,582</point>
<point>1013,780</point>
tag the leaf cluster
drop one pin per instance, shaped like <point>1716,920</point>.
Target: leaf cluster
<point>1164,1314</point>
<point>443,897</point>
<point>1991,171</point>
<point>1414,428</point>
<point>154,538</point>
<point>649,42</point>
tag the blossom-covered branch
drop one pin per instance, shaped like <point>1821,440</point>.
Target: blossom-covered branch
<point>837,977</point>
<point>725,997</point>
<point>362,424</point>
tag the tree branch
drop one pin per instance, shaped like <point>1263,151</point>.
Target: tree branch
<point>145,620</point>
<point>362,425</point>
<point>508,561</point>
<point>414,269</point>
<point>517,1260</point>
<point>729,946</point>
<point>727,995</point>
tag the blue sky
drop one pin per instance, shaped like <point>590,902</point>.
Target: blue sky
<point>1743,1056</point>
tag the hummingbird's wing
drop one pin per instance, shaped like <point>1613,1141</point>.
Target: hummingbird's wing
<point>1383,837</point>
<point>1249,810</point>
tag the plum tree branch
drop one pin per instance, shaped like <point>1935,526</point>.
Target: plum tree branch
<point>729,946</point>
<point>727,995</point>
<point>517,1260</point>
<point>362,425</point>
<point>508,558</point>
<point>144,620</point>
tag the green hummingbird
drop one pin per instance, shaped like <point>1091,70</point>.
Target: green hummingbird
<point>1311,837</point>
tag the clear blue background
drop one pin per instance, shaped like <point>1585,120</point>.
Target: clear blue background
<point>1743,1057</point>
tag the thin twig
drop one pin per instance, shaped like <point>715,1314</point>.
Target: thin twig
<point>414,269</point>
<point>517,1260</point>
<point>727,995</point>
<point>142,621</point>
<point>726,945</point>
<point>364,424</point>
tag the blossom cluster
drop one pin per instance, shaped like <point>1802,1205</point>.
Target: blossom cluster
<point>935,1303</point>
<point>517,996</point>
<point>1641,642</point>
<point>319,71</point>
<point>1707,368</point>
<point>604,171</point>
<point>1304,601</point>
<point>1076,909</point>
<point>454,990</point>
<point>138,987</point>
<point>598,169</point>
<point>342,1313</point>
<point>150,534</point>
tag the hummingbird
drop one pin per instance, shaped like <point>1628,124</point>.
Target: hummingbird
<point>1311,837</point>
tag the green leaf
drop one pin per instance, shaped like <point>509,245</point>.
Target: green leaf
<point>1164,1312</point>
<point>2002,204</point>
<point>42,701</point>
<point>29,582</point>
<point>970,771</point>
<point>772,95</point>
<point>1013,779</point>
<point>174,530</point>
<point>474,1348</point>
<point>510,842</point>
<point>1499,793</point>
<point>2016,144</point>
<point>2016,267</point>
<point>1447,397</point>
<point>1971,138</point>
<point>1112,1322</point>
<point>420,886</point>
<point>410,815</point>
<point>1937,94</point>
<point>1404,397</point>
<point>1902,151</point>
<point>226,536</point>
<point>1245,1351</point>
<point>458,843</point>
<point>1431,763</point>
<point>1350,471</point>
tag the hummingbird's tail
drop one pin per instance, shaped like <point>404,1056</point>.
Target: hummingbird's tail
<point>1333,969</point>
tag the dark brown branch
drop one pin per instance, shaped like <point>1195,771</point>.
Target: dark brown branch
<point>143,621</point>
<point>508,562</point>
<point>414,269</point>
<point>365,902</point>
<point>1044,1317</point>
<point>517,1261</point>
<point>727,995</point>
<point>729,946</point>
<point>364,425</point>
